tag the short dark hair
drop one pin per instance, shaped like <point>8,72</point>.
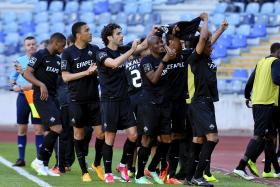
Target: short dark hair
<point>29,38</point>
<point>57,36</point>
<point>76,28</point>
<point>108,31</point>
<point>274,47</point>
<point>45,42</point>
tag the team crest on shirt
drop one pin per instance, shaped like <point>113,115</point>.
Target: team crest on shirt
<point>89,53</point>
<point>145,129</point>
<point>101,55</point>
<point>58,63</point>
<point>32,61</point>
<point>147,67</point>
<point>52,119</point>
<point>73,120</point>
<point>211,126</point>
<point>63,64</point>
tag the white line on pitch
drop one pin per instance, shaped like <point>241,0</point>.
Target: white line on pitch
<point>24,173</point>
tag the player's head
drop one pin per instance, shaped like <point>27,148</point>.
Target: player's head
<point>275,49</point>
<point>112,34</point>
<point>81,32</point>
<point>70,40</point>
<point>29,45</point>
<point>43,44</point>
<point>155,44</point>
<point>57,42</point>
<point>174,43</point>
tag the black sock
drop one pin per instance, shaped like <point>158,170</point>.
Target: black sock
<point>47,147</point>
<point>128,151</point>
<point>251,152</point>
<point>98,151</point>
<point>207,169</point>
<point>79,147</point>
<point>259,150</point>
<point>143,156</point>
<point>204,157</point>
<point>107,153</point>
<point>130,161</point>
<point>159,155</point>
<point>88,134</point>
<point>193,160</point>
<point>269,154</point>
<point>173,157</point>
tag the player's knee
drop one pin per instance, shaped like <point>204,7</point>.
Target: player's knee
<point>22,130</point>
<point>38,130</point>
<point>56,128</point>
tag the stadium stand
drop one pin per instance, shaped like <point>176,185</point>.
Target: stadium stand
<point>252,27</point>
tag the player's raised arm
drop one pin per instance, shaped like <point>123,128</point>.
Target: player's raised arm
<point>203,34</point>
<point>219,32</point>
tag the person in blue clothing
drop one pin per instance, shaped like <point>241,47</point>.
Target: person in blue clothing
<point>19,84</point>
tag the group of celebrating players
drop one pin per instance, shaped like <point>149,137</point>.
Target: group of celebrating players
<point>160,92</point>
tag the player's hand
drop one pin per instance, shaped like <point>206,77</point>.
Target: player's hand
<point>44,92</point>
<point>248,103</point>
<point>170,54</point>
<point>134,45</point>
<point>204,16</point>
<point>16,88</point>
<point>18,68</point>
<point>155,29</point>
<point>92,68</point>
<point>224,25</point>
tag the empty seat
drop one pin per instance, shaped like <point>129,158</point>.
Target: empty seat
<point>86,6</point>
<point>41,17</point>
<point>27,29</point>
<point>42,28</point>
<point>145,7</point>
<point>57,17</point>
<point>56,6</point>
<point>130,8</point>
<point>262,19</point>
<point>57,27</point>
<point>42,36</point>
<point>218,18</point>
<point>101,7</point>
<point>225,40</point>
<point>8,17</point>
<point>258,30</point>
<point>253,8</point>
<point>87,17</point>
<point>121,18</point>
<point>238,41</point>
<point>233,19</point>
<point>1,37</point>
<point>40,6</point>
<point>221,7</point>
<point>12,39</point>
<point>219,51</point>
<point>116,7</point>
<point>240,74</point>
<point>248,19</point>
<point>244,30</point>
<point>24,17</point>
<point>11,27</point>
<point>267,8</point>
<point>71,7</point>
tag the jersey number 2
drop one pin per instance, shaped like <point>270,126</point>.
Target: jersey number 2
<point>136,78</point>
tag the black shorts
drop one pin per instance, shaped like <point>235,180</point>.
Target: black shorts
<point>135,103</point>
<point>117,115</point>
<point>263,118</point>
<point>48,110</point>
<point>178,113</point>
<point>23,111</point>
<point>202,117</point>
<point>189,130</point>
<point>276,117</point>
<point>156,119</point>
<point>85,114</point>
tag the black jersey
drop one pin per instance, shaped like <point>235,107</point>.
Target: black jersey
<point>132,71</point>
<point>205,78</point>
<point>176,72</point>
<point>46,69</point>
<point>153,93</point>
<point>63,95</point>
<point>76,60</point>
<point>113,83</point>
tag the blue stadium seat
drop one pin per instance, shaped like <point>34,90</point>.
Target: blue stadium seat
<point>42,28</point>
<point>187,17</point>
<point>221,7</point>
<point>24,17</point>
<point>41,17</point>
<point>56,6</point>
<point>155,18</point>
<point>129,37</point>
<point>248,19</point>
<point>104,18</point>
<point>124,28</point>
<point>11,27</point>
<point>16,1</point>
<point>262,19</point>
<point>241,5</point>
<point>238,41</point>
<point>244,30</point>
<point>145,7</point>
<point>40,6</point>
<point>86,6</point>
<point>130,8</point>
<point>225,40</point>
<point>240,74</point>
<point>8,17</point>
<point>121,18</point>
<point>116,7</point>
<point>219,51</point>
<point>233,19</point>
<point>172,2</point>
<point>159,2</point>
<point>57,27</point>
<point>218,18</point>
<point>57,17</point>
<point>71,18</point>
<point>27,29</point>
<point>132,20</point>
<point>87,17</point>
<point>42,36</point>
<point>71,7</point>
<point>253,8</point>
<point>1,37</point>
<point>101,7</point>
<point>12,38</point>
<point>258,30</point>
<point>267,8</point>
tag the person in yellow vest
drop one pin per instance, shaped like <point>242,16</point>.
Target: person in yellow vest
<point>264,83</point>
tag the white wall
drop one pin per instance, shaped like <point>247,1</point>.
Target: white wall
<point>231,112</point>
